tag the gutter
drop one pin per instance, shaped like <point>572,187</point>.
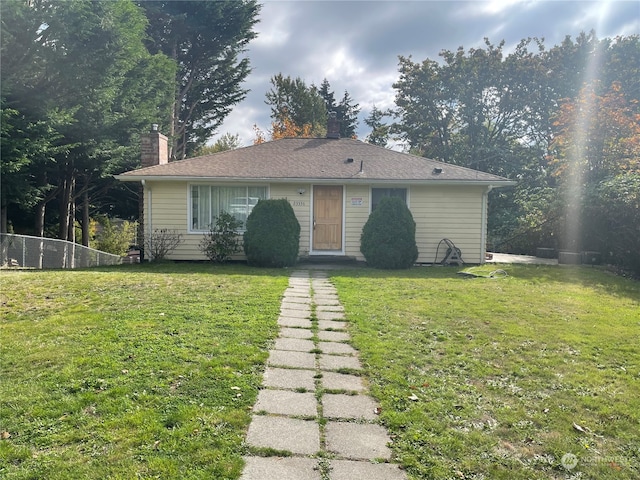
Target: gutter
<point>484,226</point>
<point>326,181</point>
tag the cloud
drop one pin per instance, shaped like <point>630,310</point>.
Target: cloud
<point>356,44</point>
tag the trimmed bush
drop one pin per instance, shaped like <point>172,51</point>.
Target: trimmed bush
<point>388,238</point>
<point>272,236</point>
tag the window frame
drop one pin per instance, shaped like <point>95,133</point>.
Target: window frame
<point>212,187</point>
<point>388,187</point>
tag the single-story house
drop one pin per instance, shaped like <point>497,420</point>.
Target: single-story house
<point>332,183</point>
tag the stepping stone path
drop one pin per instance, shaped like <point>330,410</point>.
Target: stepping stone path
<point>313,404</point>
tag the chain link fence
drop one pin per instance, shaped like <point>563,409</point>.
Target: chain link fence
<point>21,251</point>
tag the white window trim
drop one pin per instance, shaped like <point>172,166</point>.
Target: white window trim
<point>190,229</point>
<point>372,187</point>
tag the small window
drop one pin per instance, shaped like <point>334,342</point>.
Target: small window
<point>207,201</point>
<point>378,193</point>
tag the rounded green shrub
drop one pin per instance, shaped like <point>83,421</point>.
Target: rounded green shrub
<point>388,238</point>
<point>272,236</point>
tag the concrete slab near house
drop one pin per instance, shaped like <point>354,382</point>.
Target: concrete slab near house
<point>326,300</point>
<point>291,294</point>
<point>286,402</point>
<point>337,348</point>
<point>289,378</point>
<point>295,299</point>
<point>521,259</point>
<point>330,315</point>
<point>342,381</point>
<point>298,313</point>
<point>288,411</point>
<point>356,407</point>
<point>302,307</point>
<point>357,441</point>
<point>295,332</point>
<point>338,362</point>
<point>281,468</point>
<point>295,344</point>
<point>294,322</point>
<point>350,470</point>
<point>329,336</point>
<point>284,434</point>
<point>331,325</point>
<point>286,358</point>
<point>330,308</point>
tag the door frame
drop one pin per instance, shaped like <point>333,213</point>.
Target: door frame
<point>340,252</point>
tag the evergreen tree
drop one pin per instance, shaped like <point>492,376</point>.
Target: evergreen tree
<point>79,73</point>
<point>347,113</point>
<point>346,110</point>
<point>205,39</point>
<point>379,131</point>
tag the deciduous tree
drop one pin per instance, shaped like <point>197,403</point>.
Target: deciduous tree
<point>226,142</point>
<point>296,109</point>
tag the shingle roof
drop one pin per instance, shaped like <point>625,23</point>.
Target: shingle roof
<point>315,159</point>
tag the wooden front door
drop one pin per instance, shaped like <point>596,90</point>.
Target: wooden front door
<point>327,217</point>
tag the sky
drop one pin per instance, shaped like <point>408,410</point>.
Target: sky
<point>355,45</point>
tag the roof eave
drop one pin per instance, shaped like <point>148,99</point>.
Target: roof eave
<point>354,180</point>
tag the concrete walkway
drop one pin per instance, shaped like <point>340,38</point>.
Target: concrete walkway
<point>314,406</point>
<point>521,259</point>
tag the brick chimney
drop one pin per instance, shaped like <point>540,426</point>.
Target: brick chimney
<point>333,126</point>
<point>154,148</point>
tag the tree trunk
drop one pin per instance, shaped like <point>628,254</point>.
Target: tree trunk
<point>65,200</point>
<point>41,207</point>
<point>71,230</point>
<point>86,220</point>
<point>39,218</point>
<point>71,223</point>
<point>175,108</point>
<point>3,220</point>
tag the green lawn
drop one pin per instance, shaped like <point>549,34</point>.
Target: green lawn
<point>500,378</point>
<point>132,372</point>
<point>150,371</point>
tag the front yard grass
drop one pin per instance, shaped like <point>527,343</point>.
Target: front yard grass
<point>501,378</point>
<point>132,372</point>
<point>151,371</point>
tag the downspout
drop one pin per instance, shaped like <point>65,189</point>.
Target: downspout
<point>141,220</point>
<point>149,222</point>
<point>485,203</point>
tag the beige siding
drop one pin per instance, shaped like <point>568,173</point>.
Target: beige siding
<point>448,212</point>
<point>357,212</point>
<point>439,211</point>
<point>301,204</point>
<point>169,210</point>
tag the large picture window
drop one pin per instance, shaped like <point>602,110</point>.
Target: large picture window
<point>379,193</point>
<point>207,201</point>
